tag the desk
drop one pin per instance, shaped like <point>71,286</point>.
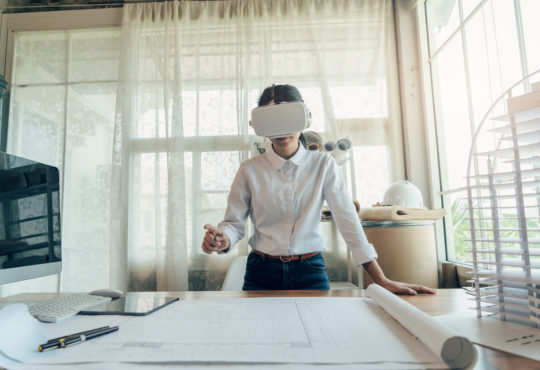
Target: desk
<point>446,301</point>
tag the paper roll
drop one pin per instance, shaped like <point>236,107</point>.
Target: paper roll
<point>400,213</point>
<point>327,215</point>
<point>20,332</point>
<point>458,352</point>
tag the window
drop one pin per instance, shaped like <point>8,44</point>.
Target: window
<point>63,86</point>
<point>63,91</point>
<point>477,50</point>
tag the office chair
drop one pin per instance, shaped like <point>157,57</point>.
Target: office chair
<point>234,280</point>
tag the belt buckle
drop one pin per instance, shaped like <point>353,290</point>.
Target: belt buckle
<point>287,258</point>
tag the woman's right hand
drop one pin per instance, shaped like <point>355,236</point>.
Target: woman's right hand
<point>215,240</point>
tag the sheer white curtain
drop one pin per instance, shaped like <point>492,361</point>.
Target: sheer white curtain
<point>61,112</point>
<point>190,72</point>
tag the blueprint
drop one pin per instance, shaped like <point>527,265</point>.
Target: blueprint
<point>270,331</point>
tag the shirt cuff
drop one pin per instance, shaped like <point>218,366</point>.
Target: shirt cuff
<point>231,234</point>
<point>364,254</point>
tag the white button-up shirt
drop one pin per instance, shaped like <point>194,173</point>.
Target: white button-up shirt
<point>284,199</point>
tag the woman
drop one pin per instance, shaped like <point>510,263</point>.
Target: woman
<point>283,191</point>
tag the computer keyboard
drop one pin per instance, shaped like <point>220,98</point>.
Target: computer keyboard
<point>57,309</point>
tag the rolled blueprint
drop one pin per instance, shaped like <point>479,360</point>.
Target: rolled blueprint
<point>400,213</point>
<point>21,332</point>
<point>458,352</point>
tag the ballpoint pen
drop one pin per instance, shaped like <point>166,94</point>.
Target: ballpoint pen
<point>74,339</point>
<point>86,332</point>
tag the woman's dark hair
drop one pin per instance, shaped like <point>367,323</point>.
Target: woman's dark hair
<point>279,93</point>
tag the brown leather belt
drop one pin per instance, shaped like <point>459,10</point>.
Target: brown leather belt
<point>288,258</point>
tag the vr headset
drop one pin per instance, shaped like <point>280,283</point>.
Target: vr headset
<point>279,120</point>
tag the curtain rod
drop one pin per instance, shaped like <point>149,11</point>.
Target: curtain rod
<point>13,7</point>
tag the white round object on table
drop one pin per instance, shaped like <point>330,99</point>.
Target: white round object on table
<point>403,193</point>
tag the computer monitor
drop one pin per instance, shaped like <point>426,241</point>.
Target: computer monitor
<point>30,240</point>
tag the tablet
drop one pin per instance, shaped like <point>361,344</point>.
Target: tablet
<point>130,305</point>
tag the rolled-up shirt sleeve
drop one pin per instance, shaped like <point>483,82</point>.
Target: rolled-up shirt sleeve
<point>345,215</point>
<point>238,205</point>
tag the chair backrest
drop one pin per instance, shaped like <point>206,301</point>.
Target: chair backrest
<point>234,280</point>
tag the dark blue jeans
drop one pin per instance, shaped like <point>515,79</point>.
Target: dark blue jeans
<point>264,273</point>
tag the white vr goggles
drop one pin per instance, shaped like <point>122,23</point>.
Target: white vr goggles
<point>279,120</point>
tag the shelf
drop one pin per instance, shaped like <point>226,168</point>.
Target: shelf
<point>510,263</point>
<point>506,185</point>
<point>529,137</point>
<point>506,240</point>
<point>512,285</point>
<point>516,251</point>
<point>526,115</point>
<point>526,151</point>
<point>510,175</point>
<point>510,196</point>
<point>521,127</point>
<point>531,160</point>
<point>516,276</point>
<point>504,228</point>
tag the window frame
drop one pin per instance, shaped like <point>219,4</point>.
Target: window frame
<point>41,21</point>
<point>56,20</point>
<point>433,121</point>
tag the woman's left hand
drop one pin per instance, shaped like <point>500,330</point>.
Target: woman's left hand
<point>398,287</point>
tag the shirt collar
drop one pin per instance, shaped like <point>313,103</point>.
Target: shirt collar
<point>277,162</point>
